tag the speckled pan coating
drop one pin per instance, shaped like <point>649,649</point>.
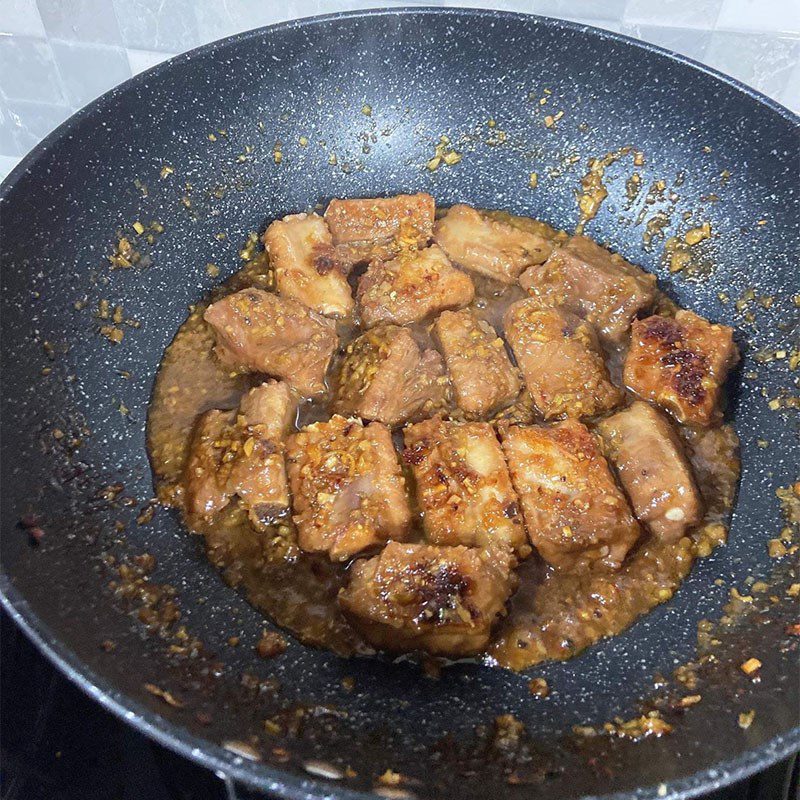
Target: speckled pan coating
<point>423,74</point>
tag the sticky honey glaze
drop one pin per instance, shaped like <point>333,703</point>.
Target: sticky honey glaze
<point>553,614</point>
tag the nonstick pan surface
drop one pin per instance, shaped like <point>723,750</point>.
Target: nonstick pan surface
<point>378,90</point>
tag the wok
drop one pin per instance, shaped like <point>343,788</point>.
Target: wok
<point>380,89</point>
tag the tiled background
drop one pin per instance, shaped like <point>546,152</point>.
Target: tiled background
<point>57,55</point>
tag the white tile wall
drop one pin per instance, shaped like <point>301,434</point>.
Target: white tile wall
<point>58,55</point>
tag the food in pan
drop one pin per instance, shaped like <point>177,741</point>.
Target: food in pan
<point>453,432</point>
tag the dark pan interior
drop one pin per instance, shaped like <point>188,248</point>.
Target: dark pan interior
<point>424,74</point>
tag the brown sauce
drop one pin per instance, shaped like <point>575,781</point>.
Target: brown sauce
<point>553,614</point>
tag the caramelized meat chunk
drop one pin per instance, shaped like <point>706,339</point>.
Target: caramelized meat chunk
<point>385,376</point>
<point>349,492</point>
<point>241,453</point>
<point>593,283</point>
<point>380,227</point>
<point>492,247</point>
<point>205,482</point>
<point>653,469</point>
<point>269,409</point>
<point>681,364</point>
<point>463,486</point>
<point>306,269</point>
<point>482,375</point>
<point>441,600</point>
<point>560,360</point>
<point>573,510</point>
<point>257,469</point>
<point>412,287</point>
<point>261,332</point>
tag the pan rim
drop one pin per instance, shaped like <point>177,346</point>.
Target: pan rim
<point>208,754</point>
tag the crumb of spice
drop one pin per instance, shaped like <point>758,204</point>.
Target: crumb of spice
<point>166,696</point>
<point>776,548</point>
<point>270,644</point>
<point>114,335</point>
<point>746,719</point>
<point>108,645</point>
<point>690,700</point>
<point>538,687</point>
<point>443,154</point>
<point>695,235</point>
<point>751,666</point>
<point>650,724</point>
<point>593,191</point>
<point>390,778</point>
<point>124,255</point>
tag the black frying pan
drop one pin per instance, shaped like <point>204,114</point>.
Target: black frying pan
<point>424,73</point>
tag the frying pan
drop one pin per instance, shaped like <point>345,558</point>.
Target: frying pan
<point>378,90</point>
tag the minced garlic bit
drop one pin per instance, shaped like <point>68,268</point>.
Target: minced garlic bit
<point>650,724</point>
<point>277,153</point>
<point>695,235</point>
<point>444,154</point>
<point>212,270</point>
<point>166,696</point>
<point>366,110</point>
<point>124,254</point>
<point>776,548</point>
<point>751,666</point>
<point>533,180</point>
<point>551,120</point>
<point>593,191</point>
<point>746,719</point>
<point>690,700</point>
<point>743,598</point>
<point>248,251</point>
<point>303,141</point>
<point>114,335</point>
<point>138,227</point>
<point>166,171</point>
